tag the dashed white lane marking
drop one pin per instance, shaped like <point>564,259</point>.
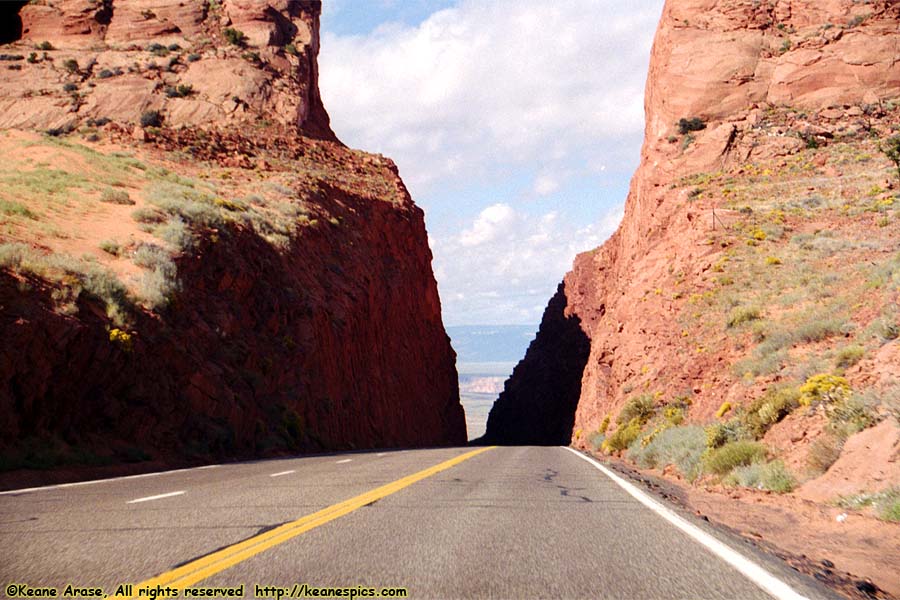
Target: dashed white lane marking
<point>157,497</point>
<point>60,486</point>
<point>282,473</point>
<point>381,454</point>
<point>346,460</point>
<point>749,569</point>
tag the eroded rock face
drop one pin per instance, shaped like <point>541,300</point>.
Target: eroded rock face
<point>245,61</point>
<point>728,63</point>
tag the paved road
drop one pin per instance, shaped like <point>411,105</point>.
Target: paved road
<point>516,522</point>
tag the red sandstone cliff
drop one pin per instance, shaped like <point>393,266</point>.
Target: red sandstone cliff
<point>229,282</point>
<point>751,295</point>
<point>732,64</point>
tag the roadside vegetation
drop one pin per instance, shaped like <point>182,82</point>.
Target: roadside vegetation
<point>799,295</point>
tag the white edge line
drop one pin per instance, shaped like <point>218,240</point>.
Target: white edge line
<point>346,460</point>
<point>752,571</point>
<point>59,486</point>
<point>157,497</point>
<point>282,473</point>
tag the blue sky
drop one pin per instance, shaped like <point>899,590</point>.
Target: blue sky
<point>516,125</point>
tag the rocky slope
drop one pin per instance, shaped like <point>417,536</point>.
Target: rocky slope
<point>191,265</point>
<point>759,249</point>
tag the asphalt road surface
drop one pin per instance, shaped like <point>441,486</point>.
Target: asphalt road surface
<point>516,522</point>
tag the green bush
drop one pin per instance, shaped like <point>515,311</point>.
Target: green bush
<point>114,196</point>
<point>679,446</point>
<point>849,356</point>
<point>719,434</point>
<point>623,436</point>
<point>742,314</point>
<point>891,149</point>
<point>70,65</point>
<point>639,407</point>
<point>15,209</point>
<point>235,36</point>
<point>720,461</point>
<point>686,126</point>
<point>111,247</point>
<point>151,118</point>
<point>772,476</point>
<point>772,407</point>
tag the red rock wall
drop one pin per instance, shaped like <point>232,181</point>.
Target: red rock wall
<point>725,62</point>
<point>336,344</point>
<point>272,76</point>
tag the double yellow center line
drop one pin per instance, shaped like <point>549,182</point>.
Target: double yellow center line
<point>207,566</point>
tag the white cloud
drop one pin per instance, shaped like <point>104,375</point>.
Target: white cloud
<point>522,96</point>
<point>507,264</point>
<point>545,185</point>
<point>494,221</point>
<point>489,82</point>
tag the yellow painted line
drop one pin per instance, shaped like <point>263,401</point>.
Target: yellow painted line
<point>207,566</point>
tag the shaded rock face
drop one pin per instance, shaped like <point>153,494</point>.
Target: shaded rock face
<point>128,56</point>
<point>728,63</point>
<point>335,344</point>
<point>538,403</point>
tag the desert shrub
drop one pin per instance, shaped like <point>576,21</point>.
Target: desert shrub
<point>622,437</point>
<point>193,57</point>
<point>773,476</point>
<point>179,91</point>
<point>151,118</point>
<point>723,409</point>
<point>674,415</point>
<point>686,126</point>
<point>114,196</point>
<point>886,502</point>
<point>770,408</point>
<point>639,407</point>
<point>151,256</point>
<point>111,247</point>
<point>817,329</point>
<point>45,45</point>
<point>105,74</point>
<point>824,388</point>
<point>719,434</point>
<point>823,452</point>
<point>148,214</point>
<point>160,281</point>
<point>75,277</point>
<point>891,149</point>
<point>720,461</point>
<point>175,232</point>
<point>853,413</point>
<point>15,209</point>
<point>849,356</point>
<point>890,511</point>
<point>70,87</point>
<point>604,425</point>
<point>742,314</point>
<point>679,446</point>
<point>235,36</point>
<point>596,440</point>
<point>70,65</point>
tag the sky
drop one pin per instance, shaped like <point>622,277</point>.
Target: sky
<point>516,125</point>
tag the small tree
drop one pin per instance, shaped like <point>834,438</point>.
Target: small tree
<point>891,149</point>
